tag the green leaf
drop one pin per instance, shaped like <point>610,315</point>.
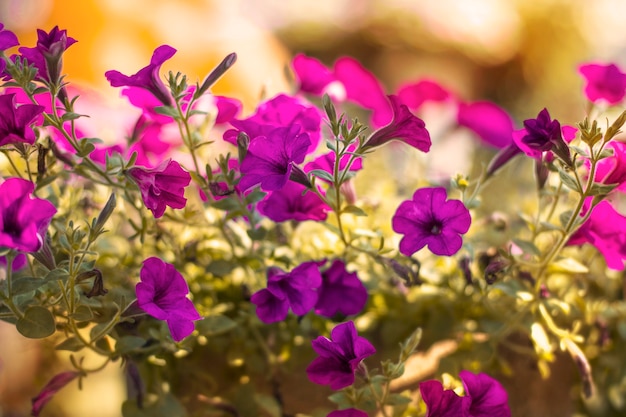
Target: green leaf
<point>255,196</point>
<point>256,234</point>
<point>72,344</point>
<point>71,116</point>
<point>568,265</point>
<point>215,325</point>
<point>568,181</point>
<point>527,247</point>
<point>341,399</point>
<point>357,211</point>
<point>37,323</point>
<point>601,189</point>
<point>167,111</point>
<point>129,343</point>
<point>397,399</point>
<point>226,204</point>
<point>320,173</point>
<point>26,284</point>
<point>268,404</point>
<point>82,313</point>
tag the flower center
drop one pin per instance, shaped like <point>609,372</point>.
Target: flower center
<point>435,228</point>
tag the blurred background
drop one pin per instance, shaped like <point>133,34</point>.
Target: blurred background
<point>520,54</point>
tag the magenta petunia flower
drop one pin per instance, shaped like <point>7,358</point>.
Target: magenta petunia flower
<point>50,389</point>
<point>341,292</point>
<point>604,82</point>
<point>443,403</point>
<point>296,290</point>
<point>15,122</point>
<point>289,203</point>
<point>269,158</point>
<point>148,77</point>
<point>162,293</point>
<point>340,356</point>
<point>162,186</point>
<point>612,170</point>
<point>23,220</point>
<point>415,94</point>
<point>47,56</point>
<point>405,127</point>
<point>430,219</point>
<point>7,39</point>
<point>488,121</point>
<point>348,412</point>
<point>312,76</point>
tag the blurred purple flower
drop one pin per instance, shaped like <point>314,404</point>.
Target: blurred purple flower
<point>341,292</point>
<point>47,56</point>
<point>312,76</point>
<point>269,158</point>
<point>50,389</point>
<point>162,186</point>
<point>604,82</point>
<point>15,122</point>
<point>430,219</point>
<point>7,40</point>
<point>488,121</point>
<point>148,77</point>
<point>415,94</point>
<point>405,127</point>
<point>285,290</point>
<point>23,220</point>
<point>348,412</point>
<point>162,293</point>
<point>288,203</point>
<point>340,356</point>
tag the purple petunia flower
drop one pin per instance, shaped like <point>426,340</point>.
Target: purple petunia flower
<point>540,135</point>
<point>612,170</point>
<point>348,412</point>
<point>430,219</point>
<point>47,56</point>
<point>604,82</point>
<point>147,77</point>
<point>285,290</point>
<point>269,158</point>
<point>484,397</point>
<point>162,186</point>
<point>405,127</point>
<point>418,93</point>
<point>50,389</point>
<point>341,292</point>
<point>340,356</point>
<point>490,122</point>
<point>288,203</point>
<point>7,40</point>
<point>162,293</point>
<point>23,219</point>
<point>15,122</point>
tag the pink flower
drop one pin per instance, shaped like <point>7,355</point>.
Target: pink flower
<point>604,82</point>
<point>289,203</point>
<point>162,186</point>
<point>16,121</point>
<point>612,170</point>
<point>416,94</point>
<point>50,389</point>
<point>488,121</point>
<point>47,55</point>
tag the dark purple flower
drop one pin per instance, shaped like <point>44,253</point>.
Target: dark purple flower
<point>15,122</point>
<point>340,356</point>
<point>7,39</point>
<point>162,293</point>
<point>162,186</point>
<point>50,389</point>
<point>47,56</point>
<point>348,412</point>
<point>490,122</point>
<point>405,127</point>
<point>341,292</point>
<point>430,219</point>
<point>285,290</point>
<point>269,158</point>
<point>541,135</point>
<point>443,403</point>
<point>289,203</point>
<point>148,77</point>
<point>23,219</point>
<point>604,82</point>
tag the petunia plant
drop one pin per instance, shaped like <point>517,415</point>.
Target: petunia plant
<point>271,263</point>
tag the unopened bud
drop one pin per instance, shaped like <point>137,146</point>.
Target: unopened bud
<point>615,127</point>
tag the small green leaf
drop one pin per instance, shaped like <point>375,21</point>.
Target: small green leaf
<point>568,181</point>
<point>26,284</point>
<point>82,313</point>
<point>320,173</point>
<point>255,196</point>
<point>215,325</point>
<point>37,323</point>
<point>357,211</point>
<point>129,343</point>
<point>166,111</point>
<point>527,247</point>
<point>601,189</point>
<point>568,265</point>
<point>72,344</point>
<point>397,399</point>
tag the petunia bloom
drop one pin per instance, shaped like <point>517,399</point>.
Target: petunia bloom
<point>47,56</point>
<point>430,219</point>
<point>339,357</point>
<point>269,159</point>
<point>415,94</point>
<point>23,220</point>
<point>488,121</point>
<point>541,135</point>
<point>7,40</point>
<point>348,412</point>
<point>405,127</point>
<point>285,290</point>
<point>162,186</point>
<point>50,389</point>
<point>612,170</point>
<point>162,293</point>
<point>15,122</point>
<point>604,82</point>
<point>289,203</point>
<point>341,292</point>
<point>148,77</point>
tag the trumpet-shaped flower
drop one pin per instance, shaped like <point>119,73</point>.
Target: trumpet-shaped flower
<point>23,219</point>
<point>15,122</point>
<point>418,93</point>
<point>341,292</point>
<point>605,82</point>
<point>430,219</point>
<point>50,389</point>
<point>162,186</point>
<point>339,357</point>
<point>47,56</point>
<point>289,203</point>
<point>488,121</point>
<point>162,293</point>
<point>148,77</point>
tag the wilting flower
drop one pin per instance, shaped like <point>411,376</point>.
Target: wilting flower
<point>269,158</point>
<point>47,56</point>
<point>162,293</point>
<point>430,219</point>
<point>348,412</point>
<point>490,122</point>
<point>50,389</point>
<point>289,203</point>
<point>604,82</point>
<point>405,127</point>
<point>148,77</point>
<point>285,290</point>
<point>15,122</point>
<point>340,356</point>
<point>341,292</point>
<point>540,135</point>
<point>162,186</point>
<point>484,397</point>
<point>23,219</point>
